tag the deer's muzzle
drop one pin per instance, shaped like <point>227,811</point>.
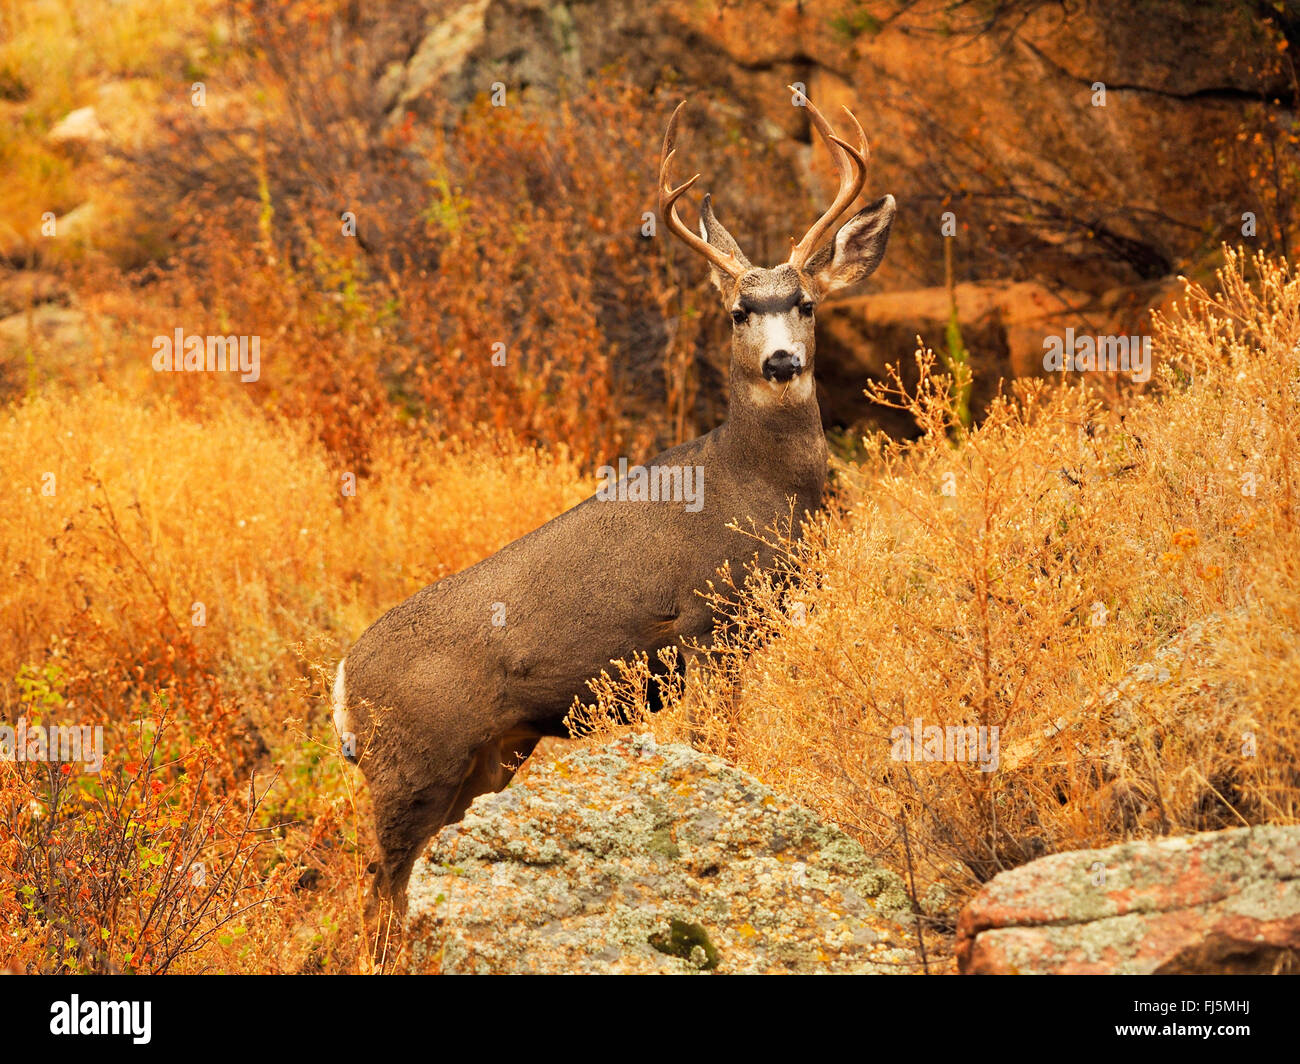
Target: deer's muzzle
<point>782,366</point>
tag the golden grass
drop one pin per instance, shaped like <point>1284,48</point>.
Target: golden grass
<point>247,516</point>
<point>154,510</point>
<point>1024,578</point>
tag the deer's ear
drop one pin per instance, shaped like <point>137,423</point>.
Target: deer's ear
<point>713,231</point>
<point>856,250</point>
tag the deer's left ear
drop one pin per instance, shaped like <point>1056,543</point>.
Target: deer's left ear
<point>856,250</point>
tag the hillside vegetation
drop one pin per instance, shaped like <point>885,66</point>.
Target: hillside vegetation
<point>1108,575</point>
<point>1114,590</point>
<point>1070,544</point>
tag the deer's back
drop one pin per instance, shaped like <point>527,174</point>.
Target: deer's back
<point>520,632</point>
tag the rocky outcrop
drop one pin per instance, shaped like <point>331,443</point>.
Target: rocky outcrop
<point>1226,901</point>
<point>998,120</point>
<point>640,858</point>
<point>646,858</point>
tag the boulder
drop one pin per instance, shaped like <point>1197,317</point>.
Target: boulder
<point>79,129</point>
<point>1217,902</point>
<point>646,858</point>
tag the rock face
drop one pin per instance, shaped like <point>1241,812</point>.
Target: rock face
<point>1003,324</point>
<point>641,858</point>
<point>1226,901</point>
<point>1003,119</point>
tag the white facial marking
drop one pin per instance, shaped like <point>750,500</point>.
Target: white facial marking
<point>776,336</point>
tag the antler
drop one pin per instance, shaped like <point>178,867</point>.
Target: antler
<point>847,159</point>
<point>668,197</point>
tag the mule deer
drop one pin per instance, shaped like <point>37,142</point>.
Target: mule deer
<point>450,690</point>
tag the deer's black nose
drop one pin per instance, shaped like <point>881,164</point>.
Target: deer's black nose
<point>781,366</point>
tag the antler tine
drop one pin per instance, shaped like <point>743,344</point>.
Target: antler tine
<point>850,163</point>
<point>668,197</point>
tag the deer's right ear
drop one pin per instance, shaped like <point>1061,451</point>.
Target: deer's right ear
<point>713,231</point>
<point>856,250</point>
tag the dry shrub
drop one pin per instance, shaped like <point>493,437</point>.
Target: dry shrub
<point>534,217</point>
<point>132,869</point>
<point>154,510</point>
<point>321,337</point>
<point>291,125</point>
<point>159,516</point>
<point>539,217</point>
<point>501,335</point>
<point>396,308</point>
<point>529,302</point>
<point>1024,580</point>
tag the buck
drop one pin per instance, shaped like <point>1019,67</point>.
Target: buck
<point>445,695</point>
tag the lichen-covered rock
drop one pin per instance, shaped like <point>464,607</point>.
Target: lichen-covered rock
<point>1225,901</point>
<point>639,857</point>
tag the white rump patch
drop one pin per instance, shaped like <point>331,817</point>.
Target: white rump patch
<point>340,701</point>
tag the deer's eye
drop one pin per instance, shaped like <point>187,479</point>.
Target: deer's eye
<point>739,317</point>
<point>806,308</point>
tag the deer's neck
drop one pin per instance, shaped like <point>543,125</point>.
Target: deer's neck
<point>780,438</point>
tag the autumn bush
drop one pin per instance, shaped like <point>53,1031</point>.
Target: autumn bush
<point>481,267</point>
<point>1113,589</point>
<point>178,570</point>
<point>134,869</point>
<point>188,561</point>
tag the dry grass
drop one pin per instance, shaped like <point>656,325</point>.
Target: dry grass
<point>1010,579</point>
<point>186,554</point>
<point>48,68</point>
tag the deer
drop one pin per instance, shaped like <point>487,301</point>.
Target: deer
<point>443,697</point>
